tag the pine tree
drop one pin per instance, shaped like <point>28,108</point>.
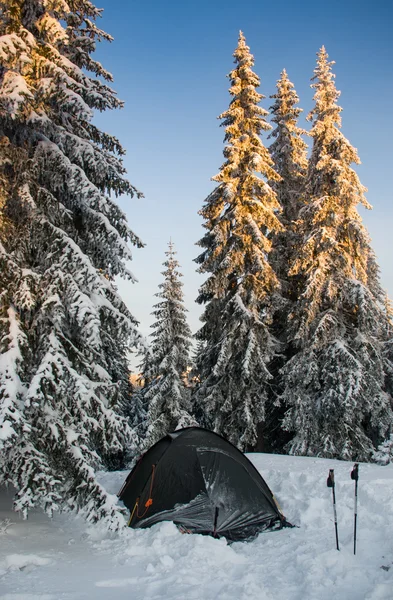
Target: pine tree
<point>64,331</point>
<point>239,213</point>
<point>165,393</point>
<point>334,384</point>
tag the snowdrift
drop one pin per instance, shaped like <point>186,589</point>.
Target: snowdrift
<point>64,559</point>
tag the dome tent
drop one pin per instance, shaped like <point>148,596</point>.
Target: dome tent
<point>202,483</point>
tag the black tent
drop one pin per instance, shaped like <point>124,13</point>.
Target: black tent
<point>203,484</point>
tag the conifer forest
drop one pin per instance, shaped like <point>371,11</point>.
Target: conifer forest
<point>294,351</point>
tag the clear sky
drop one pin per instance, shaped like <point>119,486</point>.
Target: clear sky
<point>170,60</point>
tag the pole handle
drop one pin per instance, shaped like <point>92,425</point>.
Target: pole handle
<point>330,479</point>
<point>355,472</point>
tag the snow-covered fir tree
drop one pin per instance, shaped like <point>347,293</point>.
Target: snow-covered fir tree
<point>388,305</point>
<point>134,409</point>
<point>64,331</point>
<point>289,154</point>
<point>165,392</point>
<point>388,345</point>
<point>384,454</point>
<point>233,369</point>
<point>334,384</point>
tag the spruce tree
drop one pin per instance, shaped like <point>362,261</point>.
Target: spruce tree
<point>64,331</point>
<point>334,384</point>
<point>233,369</point>
<point>165,392</point>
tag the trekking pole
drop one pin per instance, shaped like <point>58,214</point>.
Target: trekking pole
<point>355,477</point>
<point>330,483</point>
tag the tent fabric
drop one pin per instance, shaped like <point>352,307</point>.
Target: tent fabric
<point>202,483</point>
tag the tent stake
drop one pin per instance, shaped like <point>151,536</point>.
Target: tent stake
<point>331,484</point>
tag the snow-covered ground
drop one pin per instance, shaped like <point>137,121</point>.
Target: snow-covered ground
<point>64,559</point>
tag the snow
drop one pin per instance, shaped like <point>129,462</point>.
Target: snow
<point>65,559</point>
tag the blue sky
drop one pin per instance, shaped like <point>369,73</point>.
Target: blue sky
<point>170,60</point>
